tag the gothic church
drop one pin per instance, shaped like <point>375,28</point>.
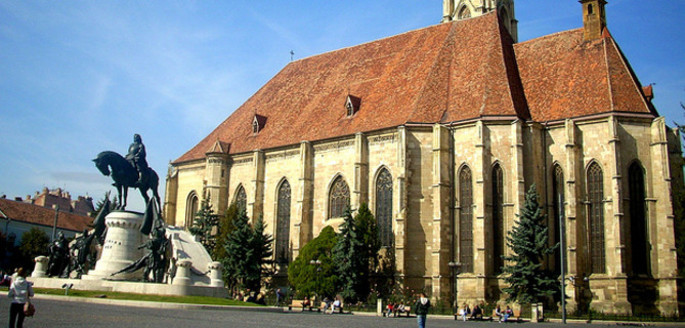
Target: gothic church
<point>441,131</point>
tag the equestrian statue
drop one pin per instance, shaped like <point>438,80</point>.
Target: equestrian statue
<point>131,171</point>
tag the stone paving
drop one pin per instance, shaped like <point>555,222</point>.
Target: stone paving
<point>70,312</point>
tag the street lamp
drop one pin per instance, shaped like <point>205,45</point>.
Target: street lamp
<point>54,225</point>
<point>454,267</point>
<point>317,264</point>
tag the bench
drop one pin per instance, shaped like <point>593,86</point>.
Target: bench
<point>516,316</point>
<point>398,313</point>
<point>298,304</point>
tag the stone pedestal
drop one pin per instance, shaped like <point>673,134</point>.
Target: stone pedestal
<point>215,273</point>
<point>182,277</point>
<point>121,247</point>
<point>41,267</point>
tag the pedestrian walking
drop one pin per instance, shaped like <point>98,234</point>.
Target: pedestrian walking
<point>421,308</point>
<point>20,292</point>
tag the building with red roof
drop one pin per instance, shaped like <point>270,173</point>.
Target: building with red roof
<point>441,131</point>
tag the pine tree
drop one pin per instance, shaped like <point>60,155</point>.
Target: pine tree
<point>529,281</point>
<point>260,263</point>
<point>352,257</point>
<point>238,253</point>
<point>204,224</point>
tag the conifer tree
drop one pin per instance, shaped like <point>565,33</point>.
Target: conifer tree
<point>260,263</point>
<point>346,257</point>
<point>204,224</point>
<point>321,279</point>
<point>528,281</point>
<point>225,228</point>
<point>238,253</point>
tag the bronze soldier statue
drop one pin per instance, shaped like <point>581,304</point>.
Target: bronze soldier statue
<point>136,156</point>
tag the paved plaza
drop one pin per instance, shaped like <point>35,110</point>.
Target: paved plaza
<point>71,313</point>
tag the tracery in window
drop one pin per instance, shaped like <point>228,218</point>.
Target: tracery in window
<point>558,219</point>
<point>240,199</point>
<point>384,207</point>
<point>465,220</point>
<point>283,224</point>
<point>498,218</point>
<point>595,189</point>
<point>338,198</point>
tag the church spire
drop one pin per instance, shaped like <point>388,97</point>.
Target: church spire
<point>464,9</point>
<point>594,18</point>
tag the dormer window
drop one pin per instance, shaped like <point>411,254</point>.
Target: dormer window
<point>258,123</point>
<point>352,104</point>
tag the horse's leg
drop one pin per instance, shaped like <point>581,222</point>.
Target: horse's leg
<point>120,196</point>
<point>125,197</point>
<point>143,192</point>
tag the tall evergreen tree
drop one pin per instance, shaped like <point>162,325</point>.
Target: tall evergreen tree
<point>204,225</point>
<point>346,255</point>
<point>225,228</point>
<point>238,253</point>
<point>528,281</point>
<point>33,243</point>
<point>260,263</point>
<point>356,254</point>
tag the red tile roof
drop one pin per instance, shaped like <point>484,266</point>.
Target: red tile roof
<point>565,77</point>
<point>29,213</point>
<point>444,73</point>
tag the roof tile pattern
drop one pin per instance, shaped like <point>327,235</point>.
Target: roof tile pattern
<point>24,212</point>
<point>444,73</point>
<point>565,77</point>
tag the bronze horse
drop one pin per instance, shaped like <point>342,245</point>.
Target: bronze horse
<point>125,176</point>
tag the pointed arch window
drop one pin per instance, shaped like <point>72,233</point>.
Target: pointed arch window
<point>638,220</point>
<point>498,218</point>
<point>558,219</point>
<point>384,207</point>
<point>240,199</point>
<point>595,189</point>
<point>283,224</point>
<point>466,220</point>
<point>464,13</point>
<point>338,198</point>
<point>192,207</point>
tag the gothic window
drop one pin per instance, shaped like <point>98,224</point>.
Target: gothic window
<point>595,189</point>
<point>384,207</point>
<point>240,199</point>
<point>283,224</point>
<point>464,13</point>
<point>558,219</point>
<point>192,207</point>
<point>590,9</point>
<point>498,218</point>
<point>465,220</point>
<point>638,220</point>
<point>338,198</point>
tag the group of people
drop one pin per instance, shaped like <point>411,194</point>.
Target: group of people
<point>332,305</point>
<point>395,309</point>
<point>465,312</point>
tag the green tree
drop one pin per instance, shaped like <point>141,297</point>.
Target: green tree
<point>311,279</point>
<point>247,254</point>
<point>352,261</point>
<point>238,252</point>
<point>34,242</point>
<point>204,224</point>
<point>260,263</point>
<point>225,228</point>
<point>528,281</point>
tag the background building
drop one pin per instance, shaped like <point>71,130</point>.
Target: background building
<point>441,131</point>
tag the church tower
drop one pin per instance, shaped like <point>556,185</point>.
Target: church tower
<point>464,9</point>
<point>594,18</point>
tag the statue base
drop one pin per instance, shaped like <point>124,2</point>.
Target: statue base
<point>120,248</point>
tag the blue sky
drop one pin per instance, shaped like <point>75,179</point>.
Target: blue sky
<point>80,77</point>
